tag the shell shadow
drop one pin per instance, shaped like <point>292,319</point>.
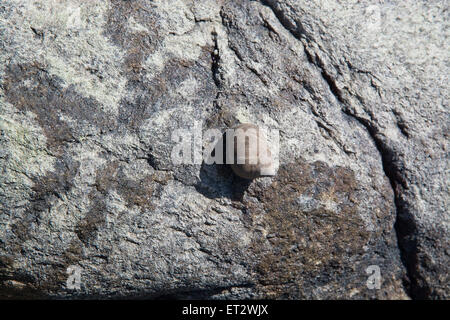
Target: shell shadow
<point>219,181</point>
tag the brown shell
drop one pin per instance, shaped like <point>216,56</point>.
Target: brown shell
<point>254,163</point>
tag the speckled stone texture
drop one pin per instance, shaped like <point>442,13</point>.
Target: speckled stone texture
<point>91,92</point>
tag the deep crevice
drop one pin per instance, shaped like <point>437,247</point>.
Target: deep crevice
<point>215,60</point>
<point>405,224</point>
<point>296,30</point>
<point>325,75</point>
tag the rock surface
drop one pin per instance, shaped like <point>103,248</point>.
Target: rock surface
<point>91,91</point>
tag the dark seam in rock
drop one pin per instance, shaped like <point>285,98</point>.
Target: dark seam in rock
<point>405,225</point>
<point>215,60</point>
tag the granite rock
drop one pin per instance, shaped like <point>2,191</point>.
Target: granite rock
<point>91,92</point>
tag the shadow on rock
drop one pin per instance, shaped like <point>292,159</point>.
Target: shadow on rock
<point>219,181</point>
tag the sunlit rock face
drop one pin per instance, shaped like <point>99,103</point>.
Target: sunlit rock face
<point>92,205</point>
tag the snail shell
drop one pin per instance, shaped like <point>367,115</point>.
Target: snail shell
<point>254,162</point>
